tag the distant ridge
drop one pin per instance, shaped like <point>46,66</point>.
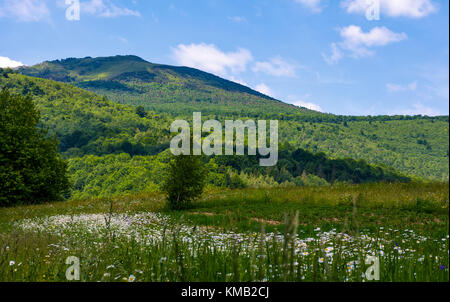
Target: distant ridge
<point>126,67</point>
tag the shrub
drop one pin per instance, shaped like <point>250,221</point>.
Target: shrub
<point>234,181</point>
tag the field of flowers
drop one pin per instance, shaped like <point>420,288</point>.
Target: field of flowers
<point>135,239</point>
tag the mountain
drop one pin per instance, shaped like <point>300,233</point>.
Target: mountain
<point>117,149</point>
<point>414,145</point>
<point>127,69</point>
<point>132,80</point>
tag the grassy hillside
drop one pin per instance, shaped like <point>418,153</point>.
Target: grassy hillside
<point>414,145</point>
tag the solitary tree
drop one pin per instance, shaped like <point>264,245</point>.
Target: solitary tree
<point>31,170</point>
<point>184,182</point>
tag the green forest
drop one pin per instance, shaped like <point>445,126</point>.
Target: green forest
<point>414,145</point>
<point>112,116</point>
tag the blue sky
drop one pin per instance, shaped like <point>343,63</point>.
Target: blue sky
<point>322,54</point>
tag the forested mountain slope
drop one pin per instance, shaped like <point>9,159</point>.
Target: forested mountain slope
<point>178,90</point>
<point>87,123</point>
<point>414,145</point>
<point>116,149</point>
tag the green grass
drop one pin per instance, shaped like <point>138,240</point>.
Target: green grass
<point>423,207</point>
<point>235,235</point>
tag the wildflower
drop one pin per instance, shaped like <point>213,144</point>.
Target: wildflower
<point>305,253</point>
<point>11,263</point>
<point>442,267</point>
<point>106,275</point>
<point>321,260</point>
<point>131,278</point>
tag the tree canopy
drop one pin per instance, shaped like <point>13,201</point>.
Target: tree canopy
<point>31,170</point>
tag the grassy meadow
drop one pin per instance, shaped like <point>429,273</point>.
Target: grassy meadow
<point>279,234</point>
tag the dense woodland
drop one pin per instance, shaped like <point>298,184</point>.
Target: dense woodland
<point>115,136</point>
<point>414,145</point>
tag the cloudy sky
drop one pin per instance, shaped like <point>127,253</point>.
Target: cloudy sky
<point>336,56</point>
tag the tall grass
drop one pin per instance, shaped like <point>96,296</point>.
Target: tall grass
<point>294,237</point>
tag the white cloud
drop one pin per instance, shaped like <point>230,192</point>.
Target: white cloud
<point>7,62</point>
<point>303,101</point>
<point>398,88</point>
<point>25,10</point>
<point>209,58</point>
<point>264,89</point>
<point>121,39</point>
<point>105,8</point>
<point>357,43</point>
<point>393,8</point>
<point>419,109</point>
<point>313,5</point>
<point>276,67</point>
<point>239,81</point>
<point>307,105</point>
<point>237,19</point>
<point>336,55</point>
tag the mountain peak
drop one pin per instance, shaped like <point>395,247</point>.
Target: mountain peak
<point>117,58</point>
<point>116,72</point>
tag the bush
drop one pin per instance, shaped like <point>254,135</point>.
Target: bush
<point>310,180</point>
<point>185,181</point>
<point>31,170</point>
<point>234,181</point>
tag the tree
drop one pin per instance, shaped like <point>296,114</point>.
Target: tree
<point>184,182</point>
<point>140,110</point>
<point>31,170</point>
